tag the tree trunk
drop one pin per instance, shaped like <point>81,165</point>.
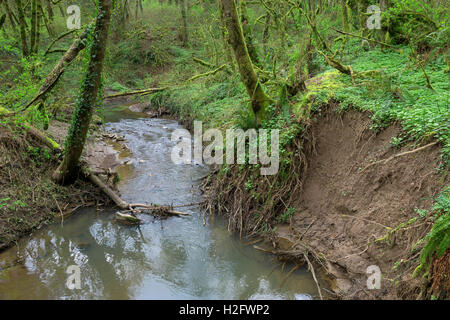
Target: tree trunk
<point>184,32</point>
<point>68,170</point>
<point>22,25</point>
<point>266,31</point>
<point>38,26</point>
<point>33,25</point>
<point>247,30</point>
<point>226,47</point>
<point>48,5</point>
<point>53,77</point>
<point>259,100</point>
<point>345,17</point>
<point>10,15</point>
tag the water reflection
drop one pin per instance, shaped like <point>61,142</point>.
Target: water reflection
<point>177,258</point>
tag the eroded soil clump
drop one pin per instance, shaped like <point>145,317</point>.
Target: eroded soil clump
<point>350,210</point>
<point>355,213</point>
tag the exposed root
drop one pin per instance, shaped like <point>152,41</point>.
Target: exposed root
<point>311,268</point>
<point>399,155</point>
<point>248,213</point>
<point>288,275</point>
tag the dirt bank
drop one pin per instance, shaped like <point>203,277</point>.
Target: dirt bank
<point>343,206</point>
<point>354,212</point>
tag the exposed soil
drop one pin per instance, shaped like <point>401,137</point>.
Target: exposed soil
<point>348,211</point>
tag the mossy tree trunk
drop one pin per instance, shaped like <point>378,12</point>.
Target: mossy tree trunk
<point>33,25</point>
<point>23,27</point>
<point>226,47</point>
<point>266,34</point>
<point>68,170</point>
<point>38,26</point>
<point>9,14</point>
<point>345,16</point>
<point>53,77</point>
<point>184,32</point>
<point>248,36</point>
<point>259,100</point>
<point>49,8</point>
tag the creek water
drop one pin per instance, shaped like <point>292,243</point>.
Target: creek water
<point>176,258</point>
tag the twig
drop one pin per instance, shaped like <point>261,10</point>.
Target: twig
<point>287,276</point>
<point>364,38</point>
<point>311,268</point>
<point>367,220</point>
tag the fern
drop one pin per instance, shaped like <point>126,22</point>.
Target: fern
<point>438,239</point>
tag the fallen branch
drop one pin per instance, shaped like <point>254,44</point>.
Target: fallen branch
<point>338,65</point>
<point>203,63</point>
<point>207,64</point>
<point>288,275</point>
<point>141,92</point>
<point>125,205</point>
<point>399,155</point>
<point>364,38</point>
<point>34,132</point>
<point>206,74</point>
<point>57,39</point>
<point>108,191</point>
<point>166,209</point>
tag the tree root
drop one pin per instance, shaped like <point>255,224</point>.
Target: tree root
<point>399,155</point>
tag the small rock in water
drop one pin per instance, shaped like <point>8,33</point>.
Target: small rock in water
<point>164,127</point>
<point>83,245</point>
<point>127,219</point>
<point>141,161</point>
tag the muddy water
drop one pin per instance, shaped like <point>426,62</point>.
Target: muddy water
<point>178,258</point>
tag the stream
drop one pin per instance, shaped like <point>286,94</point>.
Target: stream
<point>190,257</point>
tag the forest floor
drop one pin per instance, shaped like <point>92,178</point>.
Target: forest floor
<point>29,199</point>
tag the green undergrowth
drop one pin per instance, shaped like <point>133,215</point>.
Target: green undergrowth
<point>438,239</point>
<point>393,88</point>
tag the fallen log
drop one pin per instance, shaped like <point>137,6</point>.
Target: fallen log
<point>141,92</point>
<point>108,191</point>
<point>39,135</point>
<point>162,210</point>
<point>34,132</point>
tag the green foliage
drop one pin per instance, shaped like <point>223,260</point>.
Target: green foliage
<point>393,88</point>
<point>283,218</point>
<point>438,239</point>
<point>415,21</point>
